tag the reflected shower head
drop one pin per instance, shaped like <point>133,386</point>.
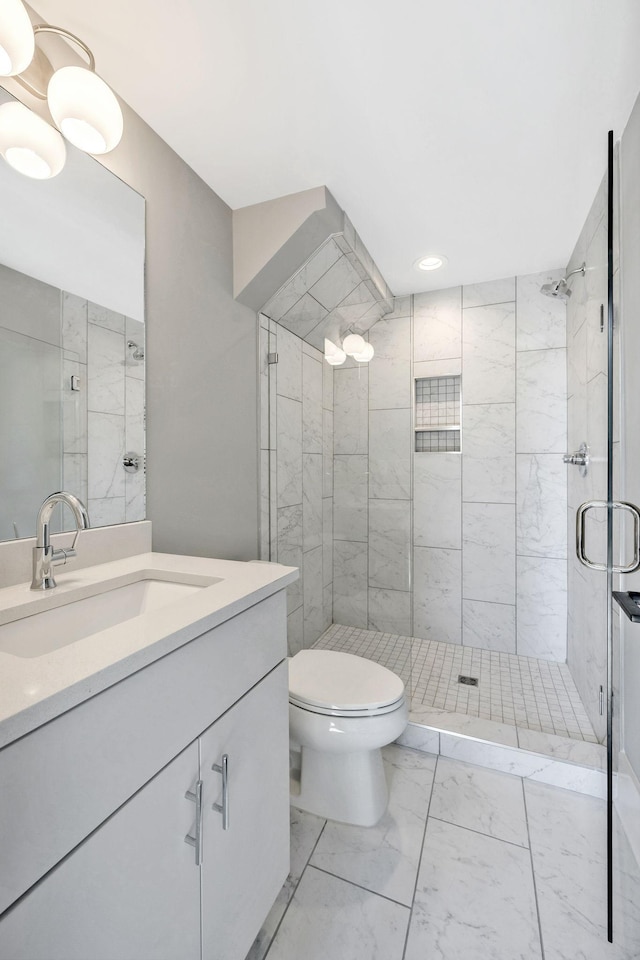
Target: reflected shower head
<point>559,289</point>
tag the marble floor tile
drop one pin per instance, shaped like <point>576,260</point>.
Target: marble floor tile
<point>305,830</point>
<point>482,800</point>
<point>475,899</point>
<point>330,918</point>
<point>568,847</point>
<point>385,858</point>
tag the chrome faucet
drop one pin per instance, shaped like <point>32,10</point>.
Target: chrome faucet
<point>44,556</point>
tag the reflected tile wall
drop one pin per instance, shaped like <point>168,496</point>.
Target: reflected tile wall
<point>106,417</point>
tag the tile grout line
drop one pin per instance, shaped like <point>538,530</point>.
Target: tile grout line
<point>481,833</point>
<point>373,893</point>
<point>533,870</point>
<point>424,840</point>
<point>286,909</point>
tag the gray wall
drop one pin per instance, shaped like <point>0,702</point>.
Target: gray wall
<point>201,357</point>
<point>202,447</point>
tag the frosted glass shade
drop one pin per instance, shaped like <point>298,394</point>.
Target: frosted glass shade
<point>353,344</point>
<point>333,354</point>
<point>29,144</point>
<point>17,42</point>
<point>85,109</point>
<point>365,355</point>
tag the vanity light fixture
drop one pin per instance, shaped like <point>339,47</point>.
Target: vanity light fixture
<point>85,109</point>
<point>432,261</point>
<point>83,106</point>
<point>29,144</point>
<point>333,354</point>
<point>17,41</point>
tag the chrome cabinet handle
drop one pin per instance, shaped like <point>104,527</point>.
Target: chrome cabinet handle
<point>196,797</point>
<point>581,515</point>
<point>223,807</point>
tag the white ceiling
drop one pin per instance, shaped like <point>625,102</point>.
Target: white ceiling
<point>473,128</point>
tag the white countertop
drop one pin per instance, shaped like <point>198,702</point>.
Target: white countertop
<point>35,690</point>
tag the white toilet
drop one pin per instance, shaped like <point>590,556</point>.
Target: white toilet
<point>342,710</point>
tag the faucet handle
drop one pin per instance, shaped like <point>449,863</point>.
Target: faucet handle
<point>61,555</point>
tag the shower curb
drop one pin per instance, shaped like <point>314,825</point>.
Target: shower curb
<point>557,772</point>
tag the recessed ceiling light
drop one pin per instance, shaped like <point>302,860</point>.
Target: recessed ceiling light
<point>431,262</point>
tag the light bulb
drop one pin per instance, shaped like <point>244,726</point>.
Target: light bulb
<point>17,42</point>
<point>29,144</point>
<point>333,354</point>
<point>431,262</point>
<point>353,344</point>
<point>365,355</point>
<point>85,109</point>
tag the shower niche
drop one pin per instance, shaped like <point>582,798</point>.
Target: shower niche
<point>437,414</point>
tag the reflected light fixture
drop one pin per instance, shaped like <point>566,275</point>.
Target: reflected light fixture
<point>83,106</point>
<point>333,354</point>
<point>17,40</point>
<point>432,261</point>
<point>29,144</point>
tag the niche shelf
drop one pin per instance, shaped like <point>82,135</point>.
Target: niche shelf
<point>437,414</point>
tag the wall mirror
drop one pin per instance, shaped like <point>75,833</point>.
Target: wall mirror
<point>72,344</point>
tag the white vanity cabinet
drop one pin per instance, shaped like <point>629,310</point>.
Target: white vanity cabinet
<point>245,855</point>
<point>128,892</point>
<point>133,888</point>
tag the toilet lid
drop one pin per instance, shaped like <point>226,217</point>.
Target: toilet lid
<point>342,682</point>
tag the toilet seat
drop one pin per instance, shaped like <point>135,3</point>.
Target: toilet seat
<point>331,683</point>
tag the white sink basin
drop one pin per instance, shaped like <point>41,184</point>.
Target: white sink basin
<point>75,619</point>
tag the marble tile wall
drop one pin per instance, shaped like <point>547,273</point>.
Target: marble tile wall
<point>373,481</point>
<point>587,422</point>
<point>104,418</point>
<point>488,535</point>
<point>468,548</point>
<point>296,440</point>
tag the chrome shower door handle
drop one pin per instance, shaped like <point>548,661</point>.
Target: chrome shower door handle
<point>223,807</point>
<point>196,797</point>
<point>581,515</point>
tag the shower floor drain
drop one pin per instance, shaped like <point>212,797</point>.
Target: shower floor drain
<point>467,681</point>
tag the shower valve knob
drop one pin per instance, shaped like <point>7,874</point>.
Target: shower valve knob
<point>579,459</point>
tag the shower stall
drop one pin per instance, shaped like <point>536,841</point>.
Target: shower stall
<point>429,498</point>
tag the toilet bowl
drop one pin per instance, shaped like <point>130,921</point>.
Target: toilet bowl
<point>342,710</point>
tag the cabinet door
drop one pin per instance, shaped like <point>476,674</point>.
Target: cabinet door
<point>130,891</point>
<point>245,865</point>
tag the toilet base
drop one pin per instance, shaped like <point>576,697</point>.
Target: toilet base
<point>348,787</point>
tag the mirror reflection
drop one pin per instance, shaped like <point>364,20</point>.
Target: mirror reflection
<point>72,344</point>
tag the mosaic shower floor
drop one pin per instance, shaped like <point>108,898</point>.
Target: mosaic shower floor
<point>514,691</point>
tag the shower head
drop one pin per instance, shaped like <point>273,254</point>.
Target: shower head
<point>559,289</point>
